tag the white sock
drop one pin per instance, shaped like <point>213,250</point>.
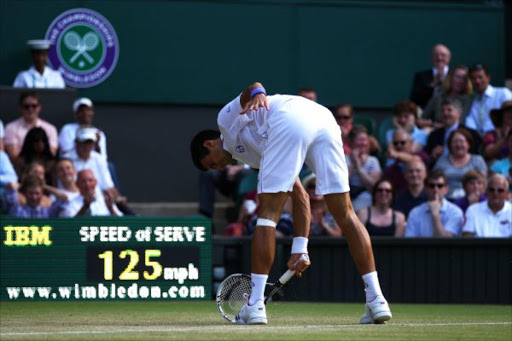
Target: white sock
<point>371,286</point>
<point>258,287</point>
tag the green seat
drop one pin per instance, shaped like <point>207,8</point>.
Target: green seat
<point>368,122</point>
<point>384,126</point>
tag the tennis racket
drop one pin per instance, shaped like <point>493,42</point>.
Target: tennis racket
<point>235,290</point>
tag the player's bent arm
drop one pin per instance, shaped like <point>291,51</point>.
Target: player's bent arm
<point>301,210</point>
<point>255,101</point>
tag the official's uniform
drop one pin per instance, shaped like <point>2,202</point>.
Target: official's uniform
<point>278,142</point>
<point>31,78</point>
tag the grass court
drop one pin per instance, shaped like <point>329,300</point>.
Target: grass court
<point>187,320</point>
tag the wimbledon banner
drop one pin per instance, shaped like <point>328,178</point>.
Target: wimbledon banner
<point>105,258</point>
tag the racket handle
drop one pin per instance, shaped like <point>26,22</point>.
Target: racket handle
<point>286,276</point>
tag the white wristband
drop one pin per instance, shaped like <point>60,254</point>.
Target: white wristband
<point>300,245</point>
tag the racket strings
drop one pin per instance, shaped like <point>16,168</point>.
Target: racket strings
<point>234,294</point>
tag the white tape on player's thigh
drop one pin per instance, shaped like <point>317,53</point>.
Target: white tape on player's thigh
<point>265,222</point>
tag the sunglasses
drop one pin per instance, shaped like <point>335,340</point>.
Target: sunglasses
<point>383,190</point>
<point>341,117</point>
<point>436,185</point>
<point>495,189</point>
<point>399,143</point>
<point>30,106</point>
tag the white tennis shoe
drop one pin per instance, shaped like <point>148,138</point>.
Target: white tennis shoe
<point>252,314</point>
<point>377,312</point>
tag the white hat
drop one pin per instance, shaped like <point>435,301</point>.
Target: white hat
<point>39,44</point>
<point>81,101</point>
<point>86,134</point>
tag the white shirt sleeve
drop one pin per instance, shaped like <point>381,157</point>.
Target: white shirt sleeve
<point>470,225</point>
<point>411,223</point>
<point>20,81</point>
<point>105,179</point>
<point>67,137</point>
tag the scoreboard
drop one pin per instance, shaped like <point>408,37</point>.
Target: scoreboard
<point>105,258</point>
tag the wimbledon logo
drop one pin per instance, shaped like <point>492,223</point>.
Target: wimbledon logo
<point>84,47</point>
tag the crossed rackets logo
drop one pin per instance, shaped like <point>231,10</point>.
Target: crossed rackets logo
<point>82,45</point>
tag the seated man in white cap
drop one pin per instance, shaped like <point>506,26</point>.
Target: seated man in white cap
<point>84,114</point>
<point>39,75</point>
<point>85,157</point>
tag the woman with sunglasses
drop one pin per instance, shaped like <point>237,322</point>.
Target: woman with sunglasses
<point>380,219</point>
<point>459,161</point>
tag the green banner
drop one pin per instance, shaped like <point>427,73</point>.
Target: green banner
<point>105,258</point>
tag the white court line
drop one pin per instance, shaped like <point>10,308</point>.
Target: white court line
<point>240,328</point>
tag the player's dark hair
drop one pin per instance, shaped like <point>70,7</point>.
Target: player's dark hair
<point>197,148</point>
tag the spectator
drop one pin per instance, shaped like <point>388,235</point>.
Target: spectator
<point>437,142</point>
<point>426,81</point>
<point>495,141</point>
<point>36,169</point>
<point>504,166</point>
<point>473,183</point>
<point>322,222</point>
<point>32,190</point>
<point>363,169</point>
<point>84,114</point>
<point>90,202</point>
<point>456,86</point>
<point>405,114</point>
<point>459,161</point>
<point>84,157</point>
<point>380,219</point>
<point>344,115</point>
<point>438,217</point>
<point>7,172</point>
<point>15,132</point>
<point>39,75</point>
<point>493,217</point>
<point>36,148</point>
<point>65,175</point>
<point>487,98</point>
<point>2,135</point>
<point>399,154</point>
<point>309,93</point>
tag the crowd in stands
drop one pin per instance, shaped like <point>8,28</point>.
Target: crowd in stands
<point>45,173</point>
<point>443,168</point>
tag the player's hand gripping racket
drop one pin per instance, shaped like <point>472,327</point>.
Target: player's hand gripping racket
<point>235,290</point>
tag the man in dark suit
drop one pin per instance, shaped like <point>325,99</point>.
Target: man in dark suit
<point>426,81</point>
<point>437,140</point>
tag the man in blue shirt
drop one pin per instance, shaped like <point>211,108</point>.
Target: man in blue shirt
<point>437,217</point>
<point>487,98</point>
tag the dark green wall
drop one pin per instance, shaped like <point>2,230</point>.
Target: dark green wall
<point>204,52</point>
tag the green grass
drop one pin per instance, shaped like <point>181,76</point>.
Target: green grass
<point>287,321</point>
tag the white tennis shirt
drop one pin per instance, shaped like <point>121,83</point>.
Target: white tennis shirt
<point>243,135</point>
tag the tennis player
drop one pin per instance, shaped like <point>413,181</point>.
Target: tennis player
<point>277,134</point>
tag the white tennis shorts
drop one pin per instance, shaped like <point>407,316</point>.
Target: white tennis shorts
<point>299,132</point>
